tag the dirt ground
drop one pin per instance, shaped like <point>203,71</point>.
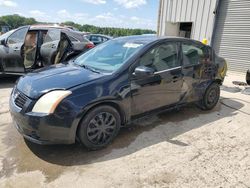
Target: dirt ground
<point>188,148</point>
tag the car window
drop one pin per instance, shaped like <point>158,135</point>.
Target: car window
<point>52,35</point>
<point>104,39</point>
<point>17,37</point>
<point>109,56</point>
<point>5,35</point>
<point>162,57</point>
<point>85,39</point>
<point>193,54</point>
<point>96,38</point>
<point>72,39</point>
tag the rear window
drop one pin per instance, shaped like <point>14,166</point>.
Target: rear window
<point>72,39</point>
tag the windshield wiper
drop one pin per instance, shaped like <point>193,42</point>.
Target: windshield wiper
<point>91,69</point>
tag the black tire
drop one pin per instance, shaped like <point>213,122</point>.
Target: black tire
<point>248,77</point>
<point>211,97</point>
<point>99,127</point>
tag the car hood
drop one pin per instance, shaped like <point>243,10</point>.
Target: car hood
<point>61,76</point>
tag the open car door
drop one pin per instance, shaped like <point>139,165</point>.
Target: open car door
<point>49,47</point>
<point>55,47</point>
<point>11,52</point>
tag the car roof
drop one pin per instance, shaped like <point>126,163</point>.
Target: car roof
<point>153,38</point>
<point>45,26</point>
<point>73,33</point>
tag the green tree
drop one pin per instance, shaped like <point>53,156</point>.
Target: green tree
<point>15,21</point>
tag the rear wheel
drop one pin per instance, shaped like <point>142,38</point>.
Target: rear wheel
<point>211,97</point>
<point>99,127</point>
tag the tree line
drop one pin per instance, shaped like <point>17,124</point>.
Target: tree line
<point>15,21</point>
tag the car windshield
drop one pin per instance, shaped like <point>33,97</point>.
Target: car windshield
<point>109,56</point>
<point>6,34</point>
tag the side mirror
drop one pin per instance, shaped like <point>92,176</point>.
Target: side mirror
<point>2,42</point>
<point>143,71</point>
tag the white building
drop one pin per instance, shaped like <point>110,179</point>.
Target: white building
<point>224,23</point>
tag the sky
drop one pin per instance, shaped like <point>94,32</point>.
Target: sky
<point>111,13</point>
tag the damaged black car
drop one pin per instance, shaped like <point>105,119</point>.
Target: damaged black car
<point>112,85</point>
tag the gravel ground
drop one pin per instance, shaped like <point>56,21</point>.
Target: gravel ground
<point>188,148</point>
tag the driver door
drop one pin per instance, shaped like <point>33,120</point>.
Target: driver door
<point>12,52</point>
<point>163,88</point>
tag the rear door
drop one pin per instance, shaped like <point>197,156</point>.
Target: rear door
<point>11,53</point>
<point>195,60</point>
<point>49,47</point>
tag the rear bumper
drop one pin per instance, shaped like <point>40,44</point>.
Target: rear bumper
<point>44,130</point>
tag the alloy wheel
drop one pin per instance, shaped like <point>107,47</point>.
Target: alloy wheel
<point>101,128</point>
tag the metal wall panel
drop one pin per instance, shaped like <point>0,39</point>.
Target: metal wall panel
<point>232,33</point>
<point>200,12</point>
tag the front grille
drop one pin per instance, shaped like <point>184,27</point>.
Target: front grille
<point>19,98</point>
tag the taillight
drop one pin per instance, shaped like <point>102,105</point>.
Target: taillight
<point>90,45</point>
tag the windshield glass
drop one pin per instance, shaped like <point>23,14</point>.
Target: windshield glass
<point>5,35</point>
<point>109,56</point>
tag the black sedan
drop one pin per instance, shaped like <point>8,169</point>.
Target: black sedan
<point>30,47</point>
<point>92,96</point>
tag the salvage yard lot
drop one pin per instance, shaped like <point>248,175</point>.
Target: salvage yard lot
<point>185,148</point>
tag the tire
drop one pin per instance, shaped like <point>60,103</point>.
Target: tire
<point>99,127</point>
<point>248,77</point>
<point>211,97</point>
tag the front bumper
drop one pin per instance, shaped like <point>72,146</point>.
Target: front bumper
<point>42,129</point>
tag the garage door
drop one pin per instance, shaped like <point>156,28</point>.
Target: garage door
<point>232,33</point>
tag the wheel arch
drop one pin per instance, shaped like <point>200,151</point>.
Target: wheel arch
<point>218,81</point>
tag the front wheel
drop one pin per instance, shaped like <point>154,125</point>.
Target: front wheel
<point>211,97</point>
<point>99,127</point>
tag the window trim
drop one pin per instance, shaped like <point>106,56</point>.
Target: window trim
<point>171,69</point>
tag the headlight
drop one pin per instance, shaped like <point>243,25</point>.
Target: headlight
<point>48,102</point>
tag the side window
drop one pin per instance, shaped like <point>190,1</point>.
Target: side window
<point>85,39</point>
<point>162,57</point>
<point>72,39</point>
<point>193,54</point>
<point>52,35</point>
<point>17,37</point>
<point>96,39</point>
<point>104,39</point>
